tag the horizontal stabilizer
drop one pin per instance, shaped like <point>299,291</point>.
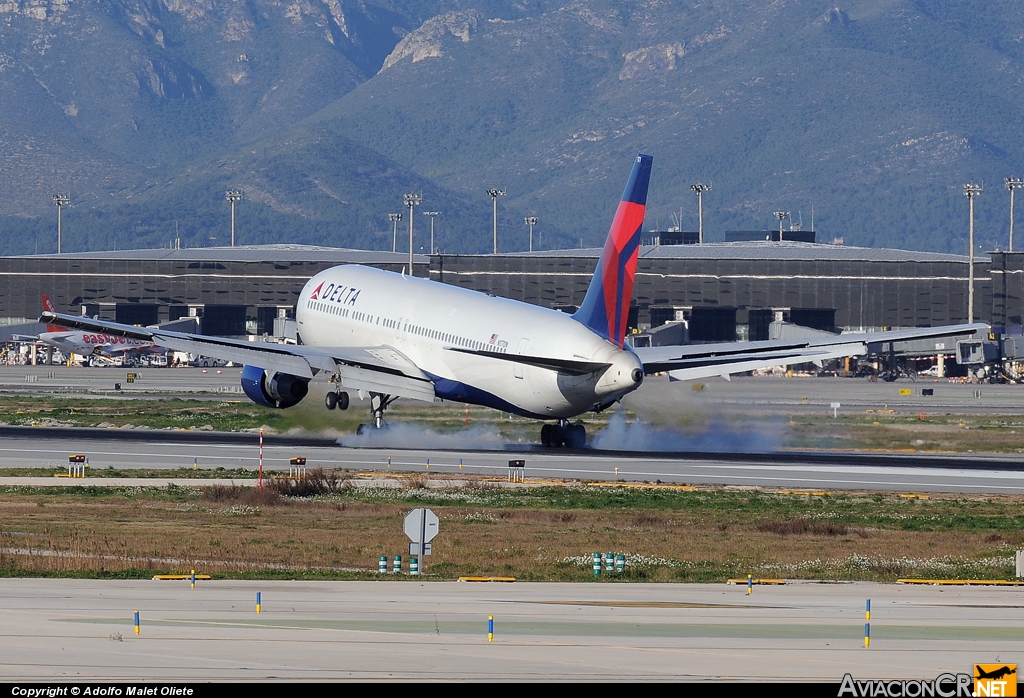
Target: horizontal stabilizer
<point>752,363</point>
<point>707,360</point>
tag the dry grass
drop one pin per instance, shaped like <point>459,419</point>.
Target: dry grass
<point>252,496</point>
<point>242,531</point>
<point>646,519</point>
<point>316,482</point>
<point>955,433</point>
<point>803,527</point>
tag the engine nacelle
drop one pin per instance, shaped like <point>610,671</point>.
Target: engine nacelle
<point>273,389</point>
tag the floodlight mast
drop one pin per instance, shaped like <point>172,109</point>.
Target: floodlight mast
<point>61,200</point>
<point>234,196</point>
<point>530,221</point>
<point>1012,183</point>
<point>494,193</point>
<point>971,191</point>
<point>411,200</point>
<point>394,218</point>
<point>699,188</point>
<point>781,215</point>
<point>432,215</point>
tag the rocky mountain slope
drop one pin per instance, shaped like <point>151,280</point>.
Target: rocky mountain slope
<point>325,111</point>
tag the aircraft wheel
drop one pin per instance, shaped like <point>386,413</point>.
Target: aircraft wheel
<point>545,435</point>
<point>557,436</point>
<point>342,401</point>
<point>362,429</point>
<point>331,401</point>
<point>576,436</point>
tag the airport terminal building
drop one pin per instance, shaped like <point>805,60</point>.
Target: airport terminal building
<point>235,290</point>
<point>724,291</point>
<point>734,290</point>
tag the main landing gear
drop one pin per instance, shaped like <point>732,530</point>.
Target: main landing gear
<point>563,434</point>
<point>378,403</point>
<point>337,399</point>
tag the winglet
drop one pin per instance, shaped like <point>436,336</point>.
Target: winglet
<point>605,308</point>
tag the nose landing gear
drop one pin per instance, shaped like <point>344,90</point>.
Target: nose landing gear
<point>378,403</point>
<point>563,434</point>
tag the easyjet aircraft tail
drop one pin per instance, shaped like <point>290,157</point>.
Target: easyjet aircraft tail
<point>605,308</point>
<point>48,307</point>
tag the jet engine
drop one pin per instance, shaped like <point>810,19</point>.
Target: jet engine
<point>273,389</point>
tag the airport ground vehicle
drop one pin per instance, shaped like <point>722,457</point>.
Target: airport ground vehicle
<point>208,362</point>
<point>388,336</point>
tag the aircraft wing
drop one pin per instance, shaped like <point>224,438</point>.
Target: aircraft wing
<point>707,360</point>
<point>373,369</point>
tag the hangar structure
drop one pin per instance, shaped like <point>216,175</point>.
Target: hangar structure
<point>723,291</point>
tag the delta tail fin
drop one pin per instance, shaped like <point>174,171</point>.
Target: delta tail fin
<point>605,308</point>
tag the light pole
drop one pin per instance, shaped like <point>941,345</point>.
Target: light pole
<point>970,191</point>
<point>699,190</point>
<point>1011,184</point>
<point>781,215</point>
<point>411,200</point>
<point>234,196</point>
<point>61,200</point>
<point>531,221</point>
<point>431,215</point>
<point>494,194</point>
<point>394,218</point>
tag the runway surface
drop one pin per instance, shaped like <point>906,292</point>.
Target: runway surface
<point>754,398</point>
<point>82,630</point>
<point>44,447</point>
<point>761,396</point>
<point>99,382</point>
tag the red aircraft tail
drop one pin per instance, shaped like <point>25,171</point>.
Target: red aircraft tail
<point>48,307</point>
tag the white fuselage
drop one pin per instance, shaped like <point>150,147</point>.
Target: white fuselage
<point>91,343</point>
<point>426,321</point>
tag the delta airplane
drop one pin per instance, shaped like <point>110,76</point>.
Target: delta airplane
<point>388,336</point>
<point>93,343</point>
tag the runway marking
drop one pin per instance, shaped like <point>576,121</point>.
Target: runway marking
<point>569,466</point>
<point>969,605</point>
<point>652,604</point>
<point>743,627</point>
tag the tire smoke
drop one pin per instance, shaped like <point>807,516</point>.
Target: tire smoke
<point>718,437</point>
<point>411,436</point>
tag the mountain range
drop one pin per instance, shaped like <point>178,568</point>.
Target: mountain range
<point>866,119</point>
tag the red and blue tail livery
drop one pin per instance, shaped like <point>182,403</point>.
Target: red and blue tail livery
<point>605,308</point>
